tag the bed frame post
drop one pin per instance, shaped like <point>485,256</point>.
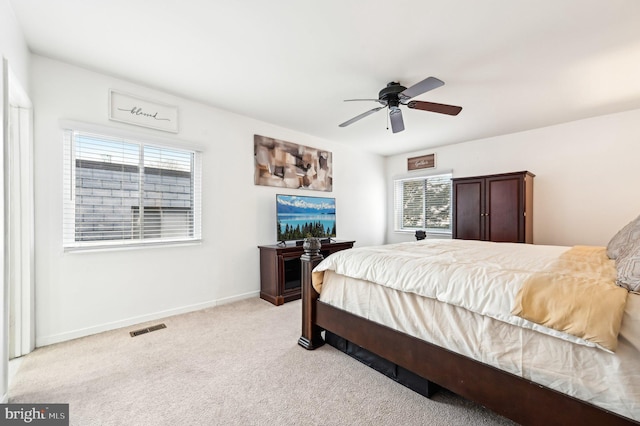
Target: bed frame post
<point>311,337</point>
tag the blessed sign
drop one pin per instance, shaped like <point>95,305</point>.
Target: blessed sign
<point>422,162</point>
<point>141,112</point>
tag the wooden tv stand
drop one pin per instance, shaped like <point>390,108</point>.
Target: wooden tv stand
<point>280,269</point>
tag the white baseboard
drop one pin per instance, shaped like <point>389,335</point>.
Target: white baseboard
<point>236,298</point>
<point>74,334</point>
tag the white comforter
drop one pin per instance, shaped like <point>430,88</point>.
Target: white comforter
<point>479,276</point>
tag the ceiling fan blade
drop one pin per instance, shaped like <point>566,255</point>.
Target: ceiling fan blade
<point>358,117</point>
<point>434,107</point>
<point>425,85</point>
<point>351,100</point>
<point>380,101</point>
<point>397,123</point>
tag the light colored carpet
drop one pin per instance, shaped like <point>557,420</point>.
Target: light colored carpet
<point>236,364</point>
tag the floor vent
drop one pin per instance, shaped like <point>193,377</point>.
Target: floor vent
<point>147,330</point>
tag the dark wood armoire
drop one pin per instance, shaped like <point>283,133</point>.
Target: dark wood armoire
<point>494,207</point>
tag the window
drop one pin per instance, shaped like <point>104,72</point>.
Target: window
<point>122,192</point>
<point>423,203</point>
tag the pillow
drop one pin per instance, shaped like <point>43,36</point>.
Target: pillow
<point>623,238</point>
<point>628,267</point>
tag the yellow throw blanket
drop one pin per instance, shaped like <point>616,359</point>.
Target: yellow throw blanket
<point>577,294</point>
<point>316,280</point>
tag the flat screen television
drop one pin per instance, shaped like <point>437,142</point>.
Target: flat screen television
<point>299,215</point>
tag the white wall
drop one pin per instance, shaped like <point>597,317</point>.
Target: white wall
<point>587,179</point>
<point>82,293</point>
<point>13,46</point>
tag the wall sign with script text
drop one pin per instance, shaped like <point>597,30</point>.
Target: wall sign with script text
<point>422,162</point>
<point>133,110</point>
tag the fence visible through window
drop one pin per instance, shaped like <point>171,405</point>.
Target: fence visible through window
<point>122,191</point>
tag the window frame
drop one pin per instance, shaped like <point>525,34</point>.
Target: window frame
<point>69,218</point>
<point>398,204</point>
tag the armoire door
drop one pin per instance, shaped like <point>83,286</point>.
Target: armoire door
<point>468,205</point>
<point>504,219</point>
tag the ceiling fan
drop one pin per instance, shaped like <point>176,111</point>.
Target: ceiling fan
<point>395,95</point>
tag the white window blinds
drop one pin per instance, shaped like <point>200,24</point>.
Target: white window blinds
<point>122,192</point>
<point>423,203</point>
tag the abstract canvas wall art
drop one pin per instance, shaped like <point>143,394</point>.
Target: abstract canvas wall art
<point>289,165</point>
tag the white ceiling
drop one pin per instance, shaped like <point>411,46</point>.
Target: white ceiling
<point>512,65</point>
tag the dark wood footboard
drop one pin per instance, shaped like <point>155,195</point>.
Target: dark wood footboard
<point>521,400</point>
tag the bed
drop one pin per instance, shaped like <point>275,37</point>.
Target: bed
<point>498,323</point>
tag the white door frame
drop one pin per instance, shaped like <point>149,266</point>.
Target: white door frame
<point>19,221</point>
